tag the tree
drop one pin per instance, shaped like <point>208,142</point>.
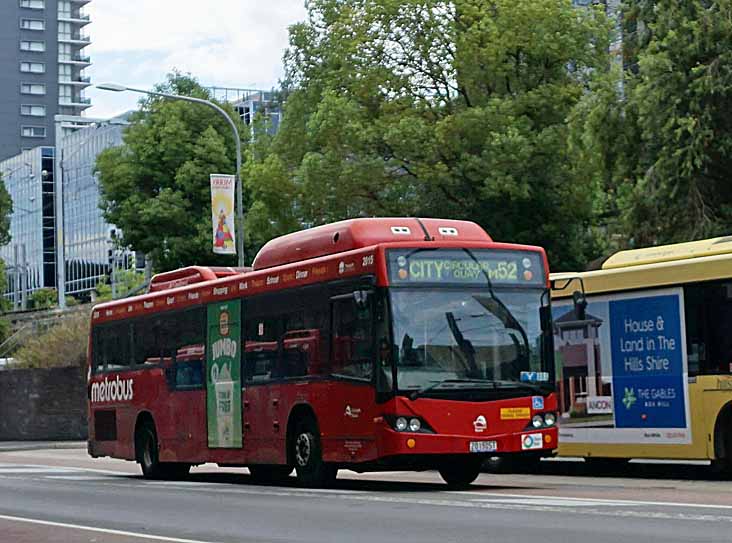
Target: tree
<point>127,282</point>
<point>433,108</point>
<point>6,210</point>
<point>666,139</point>
<point>155,186</point>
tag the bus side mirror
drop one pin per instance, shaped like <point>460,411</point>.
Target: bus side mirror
<point>545,318</point>
<point>580,305</point>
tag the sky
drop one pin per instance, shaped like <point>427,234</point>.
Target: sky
<point>228,43</point>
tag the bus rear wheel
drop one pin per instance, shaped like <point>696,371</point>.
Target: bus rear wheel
<point>307,456</point>
<point>461,473</point>
<point>146,450</point>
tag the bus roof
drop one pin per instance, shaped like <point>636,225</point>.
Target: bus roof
<point>353,234</point>
<point>336,251</point>
<point>668,253</point>
<point>640,276</point>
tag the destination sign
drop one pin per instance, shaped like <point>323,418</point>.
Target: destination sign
<point>462,266</point>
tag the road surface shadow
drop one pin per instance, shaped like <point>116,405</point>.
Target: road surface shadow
<point>630,470</point>
<point>344,482</point>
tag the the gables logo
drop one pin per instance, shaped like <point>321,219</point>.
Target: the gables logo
<point>112,391</point>
<point>480,424</point>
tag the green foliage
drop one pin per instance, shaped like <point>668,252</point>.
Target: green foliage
<point>6,209</point>
<point>43,298</point>
<point>5,329</point>
<point>155,187</point>
<point>64,344</point>
<point>4,303</point>
<point>424,107</point>
<point>126,282</point>
<point>664,145</point>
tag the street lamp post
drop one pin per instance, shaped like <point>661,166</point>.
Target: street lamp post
<point>239,194</point>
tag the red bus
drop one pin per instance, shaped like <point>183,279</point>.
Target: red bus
<point>368,344</point>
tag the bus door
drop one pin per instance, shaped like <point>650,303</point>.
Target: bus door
<point>352,397</point>
<point>223,376</point>
<point>184,373</point>
<point>263,422</point>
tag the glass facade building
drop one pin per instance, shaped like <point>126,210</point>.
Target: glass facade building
<point>30,257</point>
<point>89,241</point>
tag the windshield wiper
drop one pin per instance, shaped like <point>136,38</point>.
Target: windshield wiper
<point>521,384</point>
<point>494,384</point>
<point>422,391</point>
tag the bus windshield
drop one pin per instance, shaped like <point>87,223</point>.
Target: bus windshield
<point>450,340</point>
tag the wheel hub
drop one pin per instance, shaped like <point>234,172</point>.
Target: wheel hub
<point>303,448</point>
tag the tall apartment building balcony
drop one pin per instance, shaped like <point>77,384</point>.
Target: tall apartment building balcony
<point>75,102</point>
<point>78,19</point>
<point>75,38</point>
<point>77,59</point>
<point>80,81</point>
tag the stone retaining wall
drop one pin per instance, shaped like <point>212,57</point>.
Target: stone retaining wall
<point>43,404</point>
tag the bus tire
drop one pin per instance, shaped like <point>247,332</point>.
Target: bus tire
<point>461,473</point>
<point>307,456</point>
<point>147,453</point>
<point>267,474</point>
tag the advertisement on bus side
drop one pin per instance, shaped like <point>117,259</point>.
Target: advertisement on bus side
<point>223,388</point>
<point>622,369</point>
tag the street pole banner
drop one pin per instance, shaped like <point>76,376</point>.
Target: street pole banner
<point>222,213</point>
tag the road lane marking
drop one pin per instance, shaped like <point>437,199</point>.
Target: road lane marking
<point>558,501</point>
<point>23,470</point>
<point>595,501</point>
<point>102,530</point>
<point>4,466</point>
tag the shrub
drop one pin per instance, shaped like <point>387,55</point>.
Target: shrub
<point>64,344</point>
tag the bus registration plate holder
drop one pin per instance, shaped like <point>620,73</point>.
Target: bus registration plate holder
<point>483,446</point>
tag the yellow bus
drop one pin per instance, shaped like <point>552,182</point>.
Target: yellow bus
<point>644,367</point>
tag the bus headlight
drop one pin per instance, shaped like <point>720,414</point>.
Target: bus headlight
<point>414,425</point>
<point>550,419</point>
<point>537,421</point>
<point>400,424</point>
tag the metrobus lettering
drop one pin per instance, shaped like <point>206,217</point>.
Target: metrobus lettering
<point>115,390</point>
<point>224,347</point>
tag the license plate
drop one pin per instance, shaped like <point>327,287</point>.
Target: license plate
<point>483,446</point>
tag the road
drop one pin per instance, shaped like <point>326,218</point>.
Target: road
<point>60,496</point>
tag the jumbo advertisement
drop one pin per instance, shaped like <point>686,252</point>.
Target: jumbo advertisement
<point>223,382</point>
<point>622,369</point>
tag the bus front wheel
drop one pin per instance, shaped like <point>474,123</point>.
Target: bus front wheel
<point>461,474</point>
<point>307,456</point>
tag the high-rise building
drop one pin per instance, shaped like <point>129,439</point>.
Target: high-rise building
<point>42,64</point>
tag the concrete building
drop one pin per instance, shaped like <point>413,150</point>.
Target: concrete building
<point>42,64</point>
<point>249,103</point>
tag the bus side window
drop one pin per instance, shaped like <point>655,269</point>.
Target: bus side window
<point>261,349</point>
<point>114,347</point>
<point>708,313</point>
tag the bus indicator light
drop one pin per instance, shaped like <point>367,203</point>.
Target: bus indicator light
<point>411,443</point>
